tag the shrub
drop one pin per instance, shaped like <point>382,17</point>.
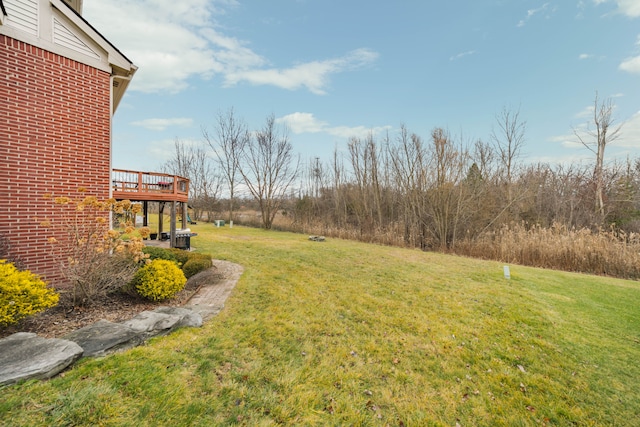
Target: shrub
<point>155,252</point>
<point>196,264</point>
<point>181,255</point>
<point>159,280</point>
<point>22,294</point>
<point>93,258</point>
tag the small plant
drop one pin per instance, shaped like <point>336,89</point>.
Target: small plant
<point>196,264</point>
<point>159,280</point>
<point>22,294</point>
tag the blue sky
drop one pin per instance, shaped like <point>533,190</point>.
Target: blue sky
<point>335,69</point>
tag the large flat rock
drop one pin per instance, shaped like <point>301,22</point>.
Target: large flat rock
<point>27,356</point>
<point>104,337</point>
<point>153,323</point>
<point>188,318</point>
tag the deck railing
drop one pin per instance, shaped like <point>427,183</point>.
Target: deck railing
<point>135,185</point>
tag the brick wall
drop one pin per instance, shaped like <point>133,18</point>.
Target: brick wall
<point>54,138</point>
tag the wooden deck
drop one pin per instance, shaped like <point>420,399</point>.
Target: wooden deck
<point>149,186</point>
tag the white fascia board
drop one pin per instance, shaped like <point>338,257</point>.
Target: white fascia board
<point>2,15</point>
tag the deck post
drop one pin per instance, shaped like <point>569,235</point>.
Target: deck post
<point>160,219</point>
<point>145,213</point>
<point>173,223</point>
<point>185,213</point>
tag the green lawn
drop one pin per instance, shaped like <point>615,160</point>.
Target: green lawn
<point>346,333</point>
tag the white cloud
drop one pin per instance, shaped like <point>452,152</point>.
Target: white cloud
<point>585,56</point>
<point>568,140</point>
<point>532,12</point>
<point>630,132</point>
<point>161,150</point>
<point>172,42</point>
<point>631,65</point>
<point>159,36</point>
<point>630,8</point>
<point>162,124</point>
<point>587,112</point>
<point>303,123</point>
<point>357,131</point>
<point>312,75</point>
<point>462,55</point>
<point>307,123</point>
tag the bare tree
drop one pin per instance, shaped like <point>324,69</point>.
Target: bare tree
<point>409,166</point>
<point>180,162</point>
<point>206,183</point>
<point>484,156</point>
<point>232,136</point>
<point>192,162</point>
<point>448,201</point>
<point>268,168</point>
<point>337,176</point>
<point>596,140</point>
<point>508,141</point>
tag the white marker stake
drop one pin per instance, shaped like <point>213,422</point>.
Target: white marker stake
<point>507,273</point>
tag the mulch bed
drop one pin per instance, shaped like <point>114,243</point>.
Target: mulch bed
<point>64,318</point>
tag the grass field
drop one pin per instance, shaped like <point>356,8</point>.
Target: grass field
<point>345,333</point>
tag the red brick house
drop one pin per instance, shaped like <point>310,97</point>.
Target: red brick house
<point>60,84</point>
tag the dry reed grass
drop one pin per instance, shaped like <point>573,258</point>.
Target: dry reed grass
<point>602,252</point>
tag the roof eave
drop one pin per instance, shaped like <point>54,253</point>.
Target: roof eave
<point>3,13</point>
<point>122,67</point>
<point>120,85</point>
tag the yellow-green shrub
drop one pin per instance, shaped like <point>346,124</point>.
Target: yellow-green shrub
<point>159,280</point>
<point>22,294</point>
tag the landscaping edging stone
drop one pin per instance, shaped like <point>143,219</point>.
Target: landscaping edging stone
<point>104,337</point>
<point>26,356</point>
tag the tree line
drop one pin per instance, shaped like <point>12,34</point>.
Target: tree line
<point>431,193</point>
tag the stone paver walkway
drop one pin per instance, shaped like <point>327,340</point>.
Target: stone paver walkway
<point>210,299</point>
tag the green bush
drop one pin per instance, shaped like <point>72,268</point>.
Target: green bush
<point>22,294</point>
<point>180,255</point>
<point>196,264</point>
<point>155,252</point>
<point>159,280</point>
